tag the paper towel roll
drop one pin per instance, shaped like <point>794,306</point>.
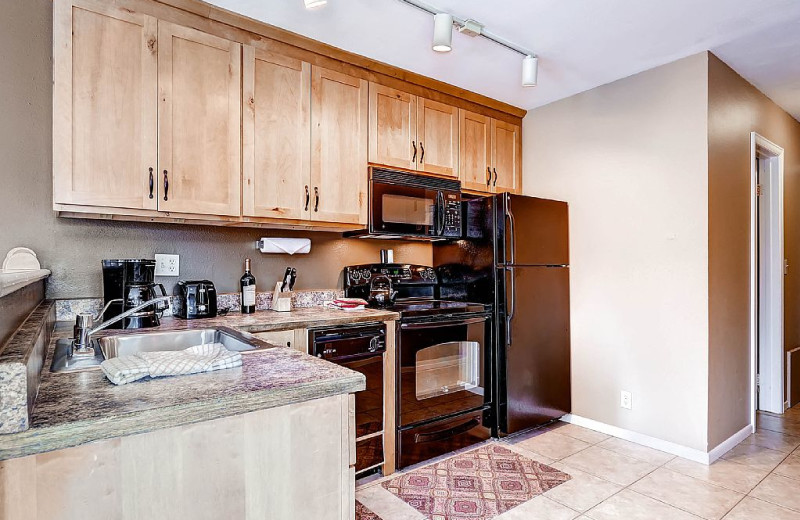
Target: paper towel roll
<point>286,246</point>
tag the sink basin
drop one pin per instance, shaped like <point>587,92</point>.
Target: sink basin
<point>127,344</point>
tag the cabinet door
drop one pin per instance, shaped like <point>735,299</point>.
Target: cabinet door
<point>506,163</point>
<point>105,105</point>
<point>392,127</point>
<point>437,137</point>
<point>199,138</point>
<point>338,147</point>
<point>277,135</point>
<point>475,143</point>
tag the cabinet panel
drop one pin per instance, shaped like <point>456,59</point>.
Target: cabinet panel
<point>339,106</point>
<point>199,141</point>
<point>437,136</point>
<point>276,131</point>
<point>105,105</point>
<point>506,164</point>
<point>392,127</point>
<point>475,151</point>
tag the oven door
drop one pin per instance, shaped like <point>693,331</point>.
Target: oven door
<point>444,368</point>
<point>408,211</point>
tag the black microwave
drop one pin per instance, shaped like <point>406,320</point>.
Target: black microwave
<point>409,206</point>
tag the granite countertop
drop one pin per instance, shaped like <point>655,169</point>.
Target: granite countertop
<point>75,408</point>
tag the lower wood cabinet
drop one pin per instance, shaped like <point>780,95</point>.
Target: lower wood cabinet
<point>293,338</point>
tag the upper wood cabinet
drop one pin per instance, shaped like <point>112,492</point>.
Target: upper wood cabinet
<point>276,129</point>
<point>339,105</point>
<point>105,106</point>
<point>199,122</point>
<point>506,163</point>
<point>490,154</point>
<point>412,132</point>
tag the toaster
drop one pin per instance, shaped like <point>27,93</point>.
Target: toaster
<point>198,299</point>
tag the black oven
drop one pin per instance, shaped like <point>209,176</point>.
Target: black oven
<point>444,381</point>
<point>411,206</point>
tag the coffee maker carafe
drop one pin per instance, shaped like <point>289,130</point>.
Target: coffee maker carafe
<point>131,283</point>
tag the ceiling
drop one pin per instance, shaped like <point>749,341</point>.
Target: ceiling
<point>581,43</point>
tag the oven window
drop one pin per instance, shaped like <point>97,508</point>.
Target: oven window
<point>401,209</point>
<point>447,368</point>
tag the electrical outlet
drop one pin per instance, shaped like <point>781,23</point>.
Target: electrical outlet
<point>625,399</point>
<point>167,265</point>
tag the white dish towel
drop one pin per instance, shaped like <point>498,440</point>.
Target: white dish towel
<point>193,360</point>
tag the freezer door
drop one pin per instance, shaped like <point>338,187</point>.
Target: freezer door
<point>532,231</point>
<point>533,348</point>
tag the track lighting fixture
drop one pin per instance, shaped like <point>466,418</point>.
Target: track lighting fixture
<point>530,71</point>
<point>315,4</point>
<point>442,32</point>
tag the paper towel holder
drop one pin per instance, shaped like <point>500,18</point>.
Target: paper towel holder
<point>285,246</point>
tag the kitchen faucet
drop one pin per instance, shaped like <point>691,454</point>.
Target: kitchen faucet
<point>84,325</point>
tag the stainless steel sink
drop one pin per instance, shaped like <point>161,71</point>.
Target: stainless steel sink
<point>127,344</point>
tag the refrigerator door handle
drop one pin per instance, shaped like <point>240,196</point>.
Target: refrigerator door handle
<point>512,306</point>
<point>511,231</point>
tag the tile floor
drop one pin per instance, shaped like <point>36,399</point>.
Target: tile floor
<point>616,479</point>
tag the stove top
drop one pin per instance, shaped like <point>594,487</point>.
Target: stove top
<point>419,307</point>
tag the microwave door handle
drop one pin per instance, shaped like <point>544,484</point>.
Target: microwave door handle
<point>440,204</point>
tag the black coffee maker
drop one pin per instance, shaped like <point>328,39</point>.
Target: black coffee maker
<point>129,283</point>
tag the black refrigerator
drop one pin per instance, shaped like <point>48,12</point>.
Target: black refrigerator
<point>514,255</point>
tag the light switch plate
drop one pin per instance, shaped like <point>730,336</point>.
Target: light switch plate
<point>167,265</point>
<point>625,400</point>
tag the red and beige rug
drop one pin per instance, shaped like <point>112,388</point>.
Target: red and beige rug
<point>362,513</point>
<point>475,485</point>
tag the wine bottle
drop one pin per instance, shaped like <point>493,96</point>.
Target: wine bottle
<point>248,290</point>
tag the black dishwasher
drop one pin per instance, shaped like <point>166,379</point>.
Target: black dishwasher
<point>360,348</point>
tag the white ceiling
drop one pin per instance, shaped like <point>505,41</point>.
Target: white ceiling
<point>581,43</point>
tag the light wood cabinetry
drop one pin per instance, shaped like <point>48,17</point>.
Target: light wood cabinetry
<point>105,102</point>
<point>339,105</point>
<point>412,132</point>
<point>490,154</point>
<point>250,466</point>
<point>292,338</point>
<point>276,130</point>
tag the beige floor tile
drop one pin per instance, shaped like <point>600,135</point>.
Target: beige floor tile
<point>554,445</point>
<point>778,424</point>
<point>636,451</point>
<point>754,509</point>
<point>538,457</point>
<point>790,467</point>
<point>581,433</point>
<point>609,465</point>
<point>687,493</point>
<point>583,491</point>
<point>779,490</point>
<point>629,505</point>
<point>725,473</point>
<point>386,505</point>
<point>777,441</point>
<point>756,456</point>
<point>538,508</point>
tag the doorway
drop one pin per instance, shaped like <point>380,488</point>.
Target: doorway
<point>768,267</point>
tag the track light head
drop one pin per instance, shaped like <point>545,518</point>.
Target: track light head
<point>530,71</point>
<point>315,4</point>
<point>442,32</point>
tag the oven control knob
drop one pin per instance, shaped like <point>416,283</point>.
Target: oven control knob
<point>431,274</point>
<point>355,275</point>
<point>366,274</point>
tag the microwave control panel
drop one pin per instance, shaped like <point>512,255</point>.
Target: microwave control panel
<point>452,217</point>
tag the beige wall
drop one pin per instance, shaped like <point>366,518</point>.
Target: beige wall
<point>72,249</point>
<point>735,109</point>
<point>630,157</point>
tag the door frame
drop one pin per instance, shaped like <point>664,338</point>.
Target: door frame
<point>760,147</point>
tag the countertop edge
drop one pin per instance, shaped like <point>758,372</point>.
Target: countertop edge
<point>67,435</point>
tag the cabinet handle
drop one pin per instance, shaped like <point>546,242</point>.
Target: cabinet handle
<point>414,159</point>
<point>166,185</point>
<point>308,199</point>
<point>422,152</point>
<point>488,176</point>
<point>151,183</point>
<point>495,177</point>
<point>316,199</point>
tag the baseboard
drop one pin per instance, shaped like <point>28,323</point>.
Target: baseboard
<point>660,444</point>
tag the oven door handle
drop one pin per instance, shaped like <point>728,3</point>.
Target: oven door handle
<point>437,324</point>
<point>447,433</point>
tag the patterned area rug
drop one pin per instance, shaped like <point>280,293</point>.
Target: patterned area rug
<point>362,513</point>
<point>476,485</point>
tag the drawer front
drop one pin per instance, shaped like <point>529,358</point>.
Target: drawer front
<point>431,440</point>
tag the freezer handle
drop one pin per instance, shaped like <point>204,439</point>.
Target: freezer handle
<point>511,231</point>
<point>512,306</point>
